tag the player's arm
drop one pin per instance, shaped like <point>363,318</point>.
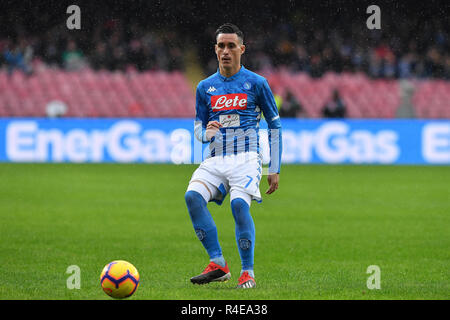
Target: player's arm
<point>270,111</point>
<point>201,116</point>
<point>204,130</point>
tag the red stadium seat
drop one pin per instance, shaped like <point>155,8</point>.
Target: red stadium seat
<point>431,99</point>
<point>363,97</point>
<point>169,94</point>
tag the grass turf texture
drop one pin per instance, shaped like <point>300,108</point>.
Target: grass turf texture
<point>316,235</point>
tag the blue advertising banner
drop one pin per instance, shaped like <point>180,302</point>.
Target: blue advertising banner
<point>173,141</point>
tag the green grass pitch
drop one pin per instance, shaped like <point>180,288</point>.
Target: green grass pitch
<point>315,236</point>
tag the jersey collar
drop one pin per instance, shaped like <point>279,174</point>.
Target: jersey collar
<point>223,78</point>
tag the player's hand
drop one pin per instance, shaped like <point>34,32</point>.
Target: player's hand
<point>273,180</point>
<point>211,129</point>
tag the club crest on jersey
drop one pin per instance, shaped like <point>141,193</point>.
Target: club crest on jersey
<point>233,101</point>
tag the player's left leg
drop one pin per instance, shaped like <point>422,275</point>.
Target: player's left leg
<point>245,236</point>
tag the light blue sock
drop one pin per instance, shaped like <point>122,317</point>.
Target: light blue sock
<point>220,261</point>
<point>245,232</point>
<point>250,273</point>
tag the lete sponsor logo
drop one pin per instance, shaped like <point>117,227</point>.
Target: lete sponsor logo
<point>234,101</point>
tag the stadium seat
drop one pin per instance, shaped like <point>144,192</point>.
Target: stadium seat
<point>363,97</point>
<point>168,94</point>
<point>431,99</point>
<point>97,94</point>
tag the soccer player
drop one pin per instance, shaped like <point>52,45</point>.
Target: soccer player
<point>228,110</point>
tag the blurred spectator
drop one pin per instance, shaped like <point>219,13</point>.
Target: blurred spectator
<point>317,67</point>
<point>291,107</point>
<point>18,56</point>
<point>406,66</point>
<point>434,64</point>
<point>100,59</point>
<point>119,59</point>
<point>301,60</point>
<point>447,67</point>
<point>72,58</point>
<point>135,53</point>
<point>304,40</point>
<point>278,101</point>
<point>335,108</point>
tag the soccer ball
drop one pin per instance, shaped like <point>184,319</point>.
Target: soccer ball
<point>119,279</point>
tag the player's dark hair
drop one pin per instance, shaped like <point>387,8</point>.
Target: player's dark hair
<point>230,28</point>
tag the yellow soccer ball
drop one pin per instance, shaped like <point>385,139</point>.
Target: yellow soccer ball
<point>119,279</point>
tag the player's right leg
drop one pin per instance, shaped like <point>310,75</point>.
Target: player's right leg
<point>197,196</point>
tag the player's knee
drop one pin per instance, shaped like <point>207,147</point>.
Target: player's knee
<point>193,198</point>
<point>239,205</point>
<point>240,210</point>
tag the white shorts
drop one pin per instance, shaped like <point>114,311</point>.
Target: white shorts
<point>234,174</point>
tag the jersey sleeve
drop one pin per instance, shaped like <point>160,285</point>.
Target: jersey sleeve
<point>201,115</point>
<point>269,108</point>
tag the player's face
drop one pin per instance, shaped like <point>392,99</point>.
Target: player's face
<point>229,50</point>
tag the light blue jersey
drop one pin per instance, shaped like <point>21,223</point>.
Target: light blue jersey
<point>237,102</point>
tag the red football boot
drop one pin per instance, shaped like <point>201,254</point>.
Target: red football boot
<point>245,281</point>
<point>213,272</point>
